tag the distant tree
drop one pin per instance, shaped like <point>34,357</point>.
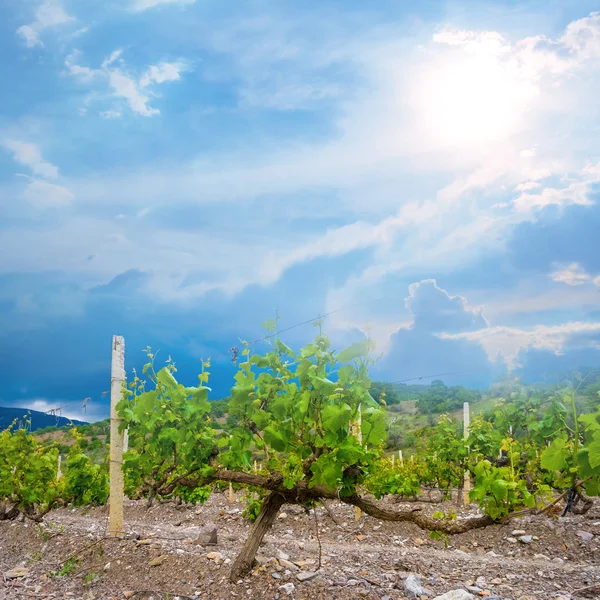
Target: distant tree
<point>382,390</point>
<point>439,398</point>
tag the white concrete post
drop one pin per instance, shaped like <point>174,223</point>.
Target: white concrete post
<point>115,520</point>
<point>358,433</point>
<point>401,457</point>
<point>466,424</point>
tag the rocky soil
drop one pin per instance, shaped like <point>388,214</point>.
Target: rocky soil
<point>163,556</point>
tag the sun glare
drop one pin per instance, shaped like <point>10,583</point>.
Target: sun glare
<point>472,100</point>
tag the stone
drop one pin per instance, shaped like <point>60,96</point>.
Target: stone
<point>129,594</point>
<point>512,540</point>
<point>585,536</point>
<point>275,575</point>
<point>282,516</point>
<point>282,555</point>
<point>361,538</point>
<point>216,556</point>
<point>288,588</point>
<point>526,539</point>
<point>288,565</point>
<point>159,560</point>
<point>456,595</point>
<point>413,587</point>
<point>207,535</point>
<point>306,575</point>
<point>16,573</point>
<point>518,532</point>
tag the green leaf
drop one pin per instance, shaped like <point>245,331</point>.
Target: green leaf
<point>356,350</point>
<point>336,416</point>
<point>553,457</point>
<point>594,452</point>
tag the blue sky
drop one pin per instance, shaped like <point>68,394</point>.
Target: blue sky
<point>175,171</point>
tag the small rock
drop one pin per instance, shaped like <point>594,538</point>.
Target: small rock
<point>361,538</point>
<point>159,560</point>
<point>107,566</point>
<point>288,587</point>
<point>413,587</point>
<point>512,540</point>
<point>282,556</point>
<point>541,557</point>
<point>129,594</point>
<point>518,532</point>
<point>526,539</point>
<point>275,575</point>
<point>216,556</point>
<point>455,595</point>
<point>496,581</point>
<point>16,573</point>
<point>282,516</point>
<point>306,575</point>
<point>585,536</point>
<point>288,565</point>
<point>207,535</point>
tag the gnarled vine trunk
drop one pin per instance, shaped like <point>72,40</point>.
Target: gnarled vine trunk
<point>266,517</point>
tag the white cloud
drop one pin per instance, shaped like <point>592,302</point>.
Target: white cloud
<point>162,72</point>
<point>94,411</point>
<point>146,4</point>
<point>528,152</point>
<point>114,56</point>
<point>111,114</point>
<point>47,195</point>
<point>49,14</point>
<point>572,274</point>
<point>510,341</point>
<point>78,70</point>
<point>124,85</point>
<point>29,154</point>
<point>577,192</point>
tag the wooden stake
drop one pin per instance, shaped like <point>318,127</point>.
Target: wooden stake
<point>466,424</point>
<point>58,471</point>
<point>115,520</point>
<point>231,497</point>
<point>358,432</point>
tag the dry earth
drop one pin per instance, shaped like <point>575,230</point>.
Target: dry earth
<point>366,559</point>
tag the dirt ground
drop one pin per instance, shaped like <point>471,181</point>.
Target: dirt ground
<point>160,557</point>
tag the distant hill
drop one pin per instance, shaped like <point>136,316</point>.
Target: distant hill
<point>39,420</point>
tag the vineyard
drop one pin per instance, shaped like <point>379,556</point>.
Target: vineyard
<point>304,458</point>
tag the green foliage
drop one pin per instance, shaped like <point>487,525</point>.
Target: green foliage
<point>169,430</point>
<point>297,411</point>
<point>28,473</point>
<point>387,477</point>
<point>67,568</point>
<point>439,398</point>
<point>84,482</point>
<point>253,499</point>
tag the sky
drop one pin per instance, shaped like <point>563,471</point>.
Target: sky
<point>179,171</point>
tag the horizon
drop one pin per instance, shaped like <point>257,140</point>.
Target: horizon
<point>178,172</point>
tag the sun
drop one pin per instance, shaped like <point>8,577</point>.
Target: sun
<point>466,99</point>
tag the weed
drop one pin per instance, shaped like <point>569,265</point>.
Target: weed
<point>90,577</point>
<point>68,567</point>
